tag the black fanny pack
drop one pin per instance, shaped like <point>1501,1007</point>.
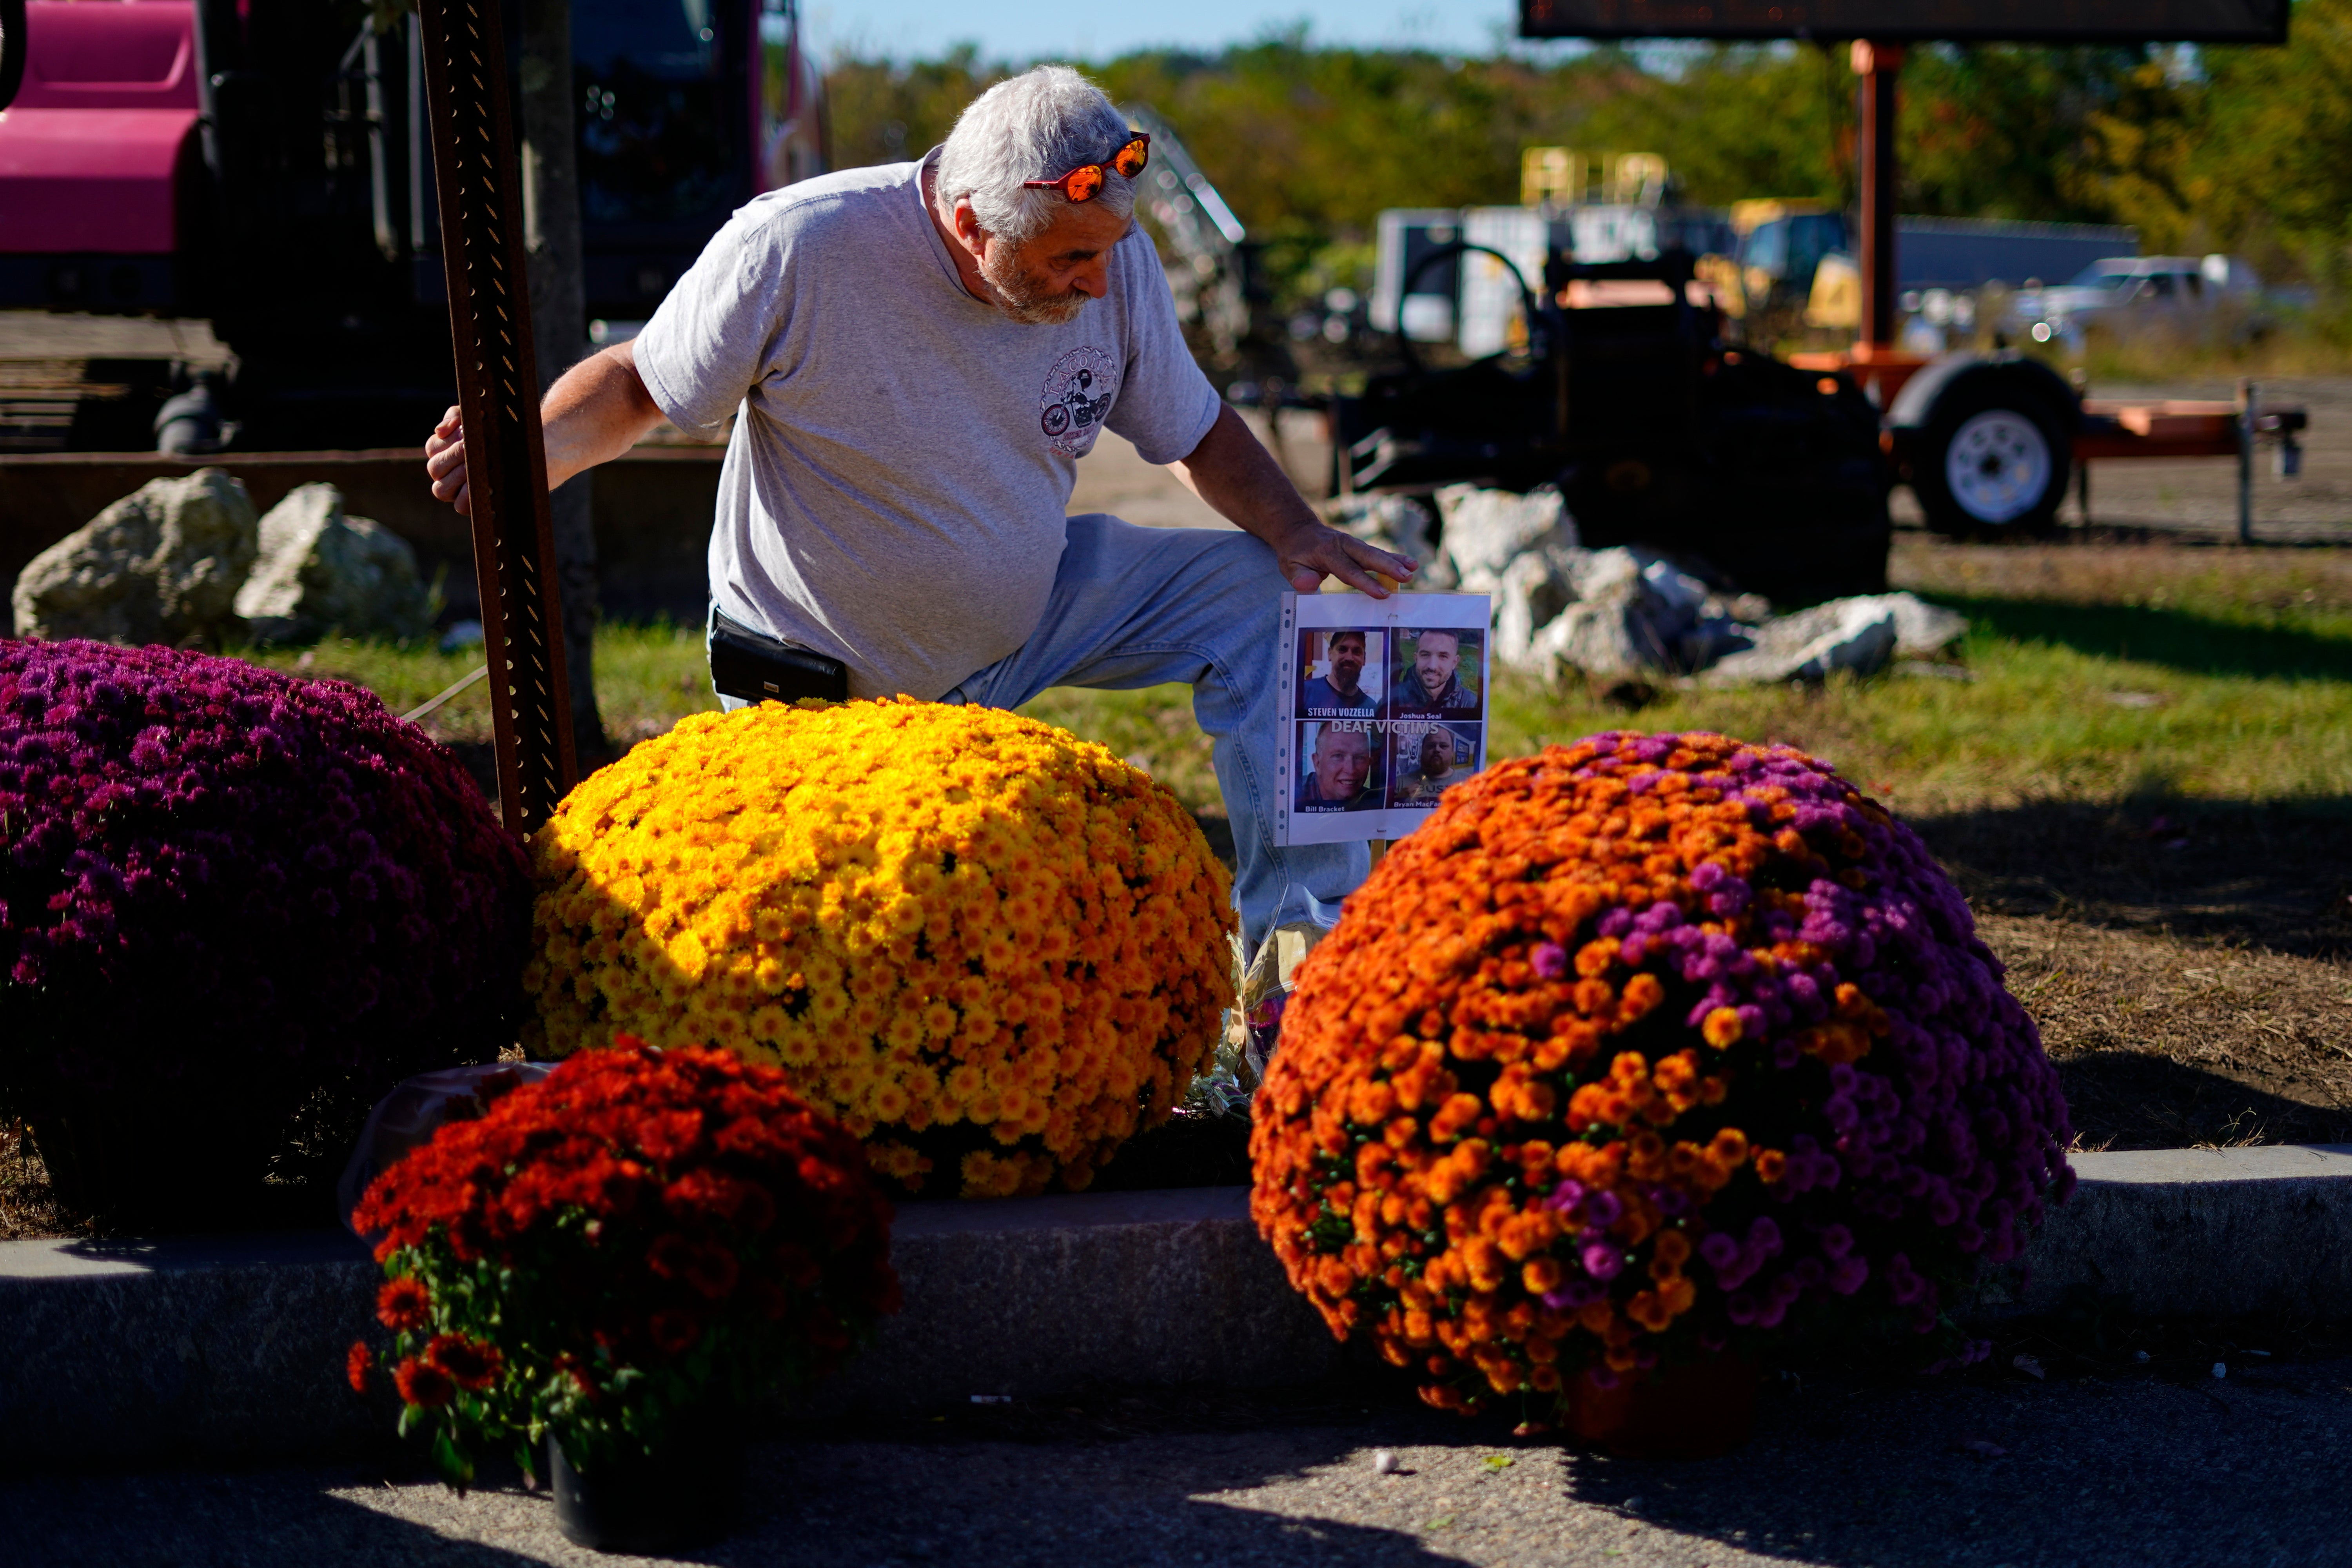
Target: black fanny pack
<point>760,669</point>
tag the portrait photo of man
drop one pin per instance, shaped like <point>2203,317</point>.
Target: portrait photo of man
<point>1339,692</point>
<point>1342,767</point>
<point>1436,673</point>
<point>1443,756</point>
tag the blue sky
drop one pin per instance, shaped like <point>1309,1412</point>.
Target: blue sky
<point>1091,29</point>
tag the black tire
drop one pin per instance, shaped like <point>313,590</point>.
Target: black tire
<point>1992,461</point>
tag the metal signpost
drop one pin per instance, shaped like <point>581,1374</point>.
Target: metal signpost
<point>498,388</point>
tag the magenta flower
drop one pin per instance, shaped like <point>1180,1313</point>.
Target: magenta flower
<point>224,892</point>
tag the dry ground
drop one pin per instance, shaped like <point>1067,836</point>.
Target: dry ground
<point>2186,958</point>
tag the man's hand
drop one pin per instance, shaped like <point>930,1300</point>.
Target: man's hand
<point>445,460</point>
<point>1310,551</point>
<point>593,413</point>
<point>1234,472</point>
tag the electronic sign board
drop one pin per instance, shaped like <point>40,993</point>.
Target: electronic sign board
<point>1960,21</point>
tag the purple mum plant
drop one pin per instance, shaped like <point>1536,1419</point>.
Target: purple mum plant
<point>227,895</point>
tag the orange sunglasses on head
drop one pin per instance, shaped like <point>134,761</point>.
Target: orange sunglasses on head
<point>1085,183</point>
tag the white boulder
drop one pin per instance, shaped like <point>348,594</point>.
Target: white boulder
<point>1856,635</point>
<point>1604,611</point>
<point>162,565</point>
<point>1486,531</point>
<point>320,571</point>
<point>1630,610</point>
<point>1921,629</point>
<point>1404,524</point>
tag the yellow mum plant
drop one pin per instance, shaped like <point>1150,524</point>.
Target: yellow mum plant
<point>994,949</point>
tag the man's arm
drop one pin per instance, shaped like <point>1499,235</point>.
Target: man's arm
<point>594,412</point>
<point>1233,472</point>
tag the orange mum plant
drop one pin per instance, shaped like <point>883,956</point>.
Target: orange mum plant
<point>1650,1047</point>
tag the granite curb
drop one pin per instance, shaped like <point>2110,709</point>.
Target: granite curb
<point>2207,1233</point>
<point>231,1348</point>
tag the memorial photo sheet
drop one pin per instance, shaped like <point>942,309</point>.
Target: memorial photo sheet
<point>1383,708</point>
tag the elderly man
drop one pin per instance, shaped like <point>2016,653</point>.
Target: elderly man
<point>918,355</point>
<point>1341,781</point>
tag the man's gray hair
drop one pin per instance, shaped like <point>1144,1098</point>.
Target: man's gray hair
<point>1039,125</point>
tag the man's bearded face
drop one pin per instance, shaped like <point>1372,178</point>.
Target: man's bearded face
<point>1343,759</point>
<point>1347,660</point>
<point>1434,659</point>
<point>1437,752</point>
<point>1046,280</point>
<point>1024,292</point>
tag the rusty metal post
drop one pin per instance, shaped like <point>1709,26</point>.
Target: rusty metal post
<point>1878,67</point>
<point>2248,413</point>
<point>483,255</point>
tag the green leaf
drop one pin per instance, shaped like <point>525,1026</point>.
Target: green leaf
<point>455,1469</point>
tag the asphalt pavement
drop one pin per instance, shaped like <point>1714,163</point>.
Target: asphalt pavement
<point>2154,1464</point>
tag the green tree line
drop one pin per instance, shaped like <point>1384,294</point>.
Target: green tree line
<point>2248,149</point>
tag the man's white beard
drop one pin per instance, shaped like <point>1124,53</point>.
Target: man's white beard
<point>1021,296</point>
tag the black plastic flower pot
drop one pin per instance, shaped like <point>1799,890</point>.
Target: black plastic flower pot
<point>689,1494</point>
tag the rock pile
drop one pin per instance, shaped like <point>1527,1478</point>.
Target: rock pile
<point>186,562</point>
<point>1630,610</point>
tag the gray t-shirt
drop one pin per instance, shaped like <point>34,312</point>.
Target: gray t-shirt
<point>894,492</point>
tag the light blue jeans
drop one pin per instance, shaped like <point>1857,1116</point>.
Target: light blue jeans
<point>1144,606</point>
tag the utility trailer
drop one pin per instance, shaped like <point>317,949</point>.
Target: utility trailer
<point>1627,399</point>
<point>1626,396</point>
<point>1988,443</point>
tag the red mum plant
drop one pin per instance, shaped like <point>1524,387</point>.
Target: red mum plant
<point>638,1239</point>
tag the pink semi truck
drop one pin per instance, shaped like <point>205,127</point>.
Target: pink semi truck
<point>98,158</point>
<point>264,163</point>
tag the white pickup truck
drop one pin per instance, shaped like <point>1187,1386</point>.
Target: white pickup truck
<point>2134,292</point>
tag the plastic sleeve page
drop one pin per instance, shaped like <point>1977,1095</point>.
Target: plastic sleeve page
<point>1285,766</point>
<point>1384,708</point>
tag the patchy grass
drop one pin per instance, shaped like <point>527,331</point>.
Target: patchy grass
<point>648,676</point>
<point>1152,728</point>
<point>2302,589</point>
<point>2305,343</point>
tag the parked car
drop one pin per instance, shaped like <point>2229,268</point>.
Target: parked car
<point>2136,292</point>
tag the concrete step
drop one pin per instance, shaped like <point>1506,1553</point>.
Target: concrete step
<point>233,1347</point>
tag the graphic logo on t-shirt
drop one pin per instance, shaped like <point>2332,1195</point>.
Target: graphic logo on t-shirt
<point>1078,391</point>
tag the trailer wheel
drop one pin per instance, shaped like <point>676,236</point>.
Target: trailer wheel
<point>1992,461</point>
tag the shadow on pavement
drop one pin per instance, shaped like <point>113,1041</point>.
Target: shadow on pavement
<point>992,1506</point>
<point>257,1519</point>
<point>2157,1464</point>
<point>2002,1470</point>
